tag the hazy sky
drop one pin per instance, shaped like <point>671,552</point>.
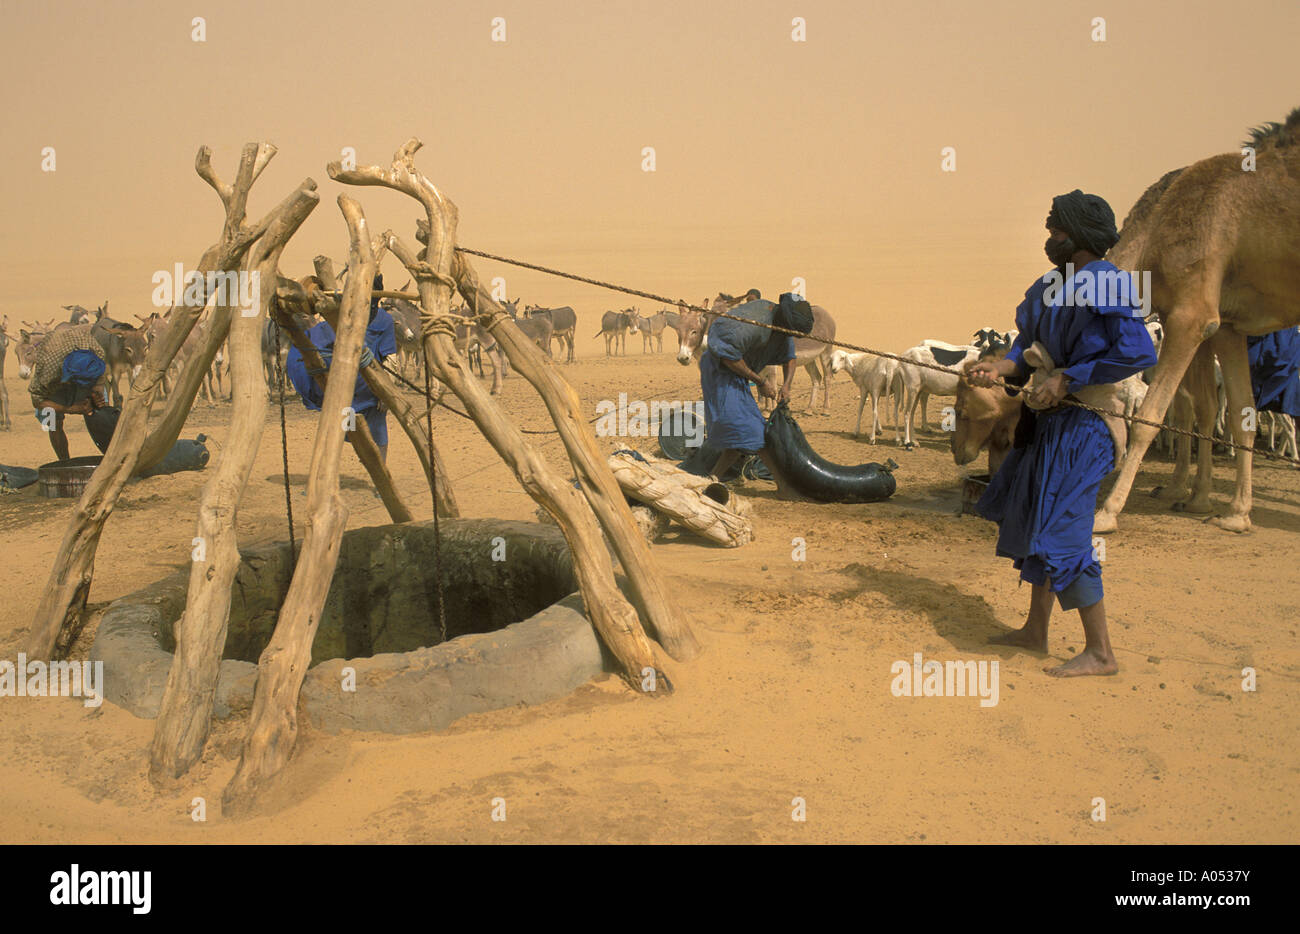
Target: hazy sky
<point>775,158</point>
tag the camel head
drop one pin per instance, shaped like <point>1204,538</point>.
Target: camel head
<point>986,417</point>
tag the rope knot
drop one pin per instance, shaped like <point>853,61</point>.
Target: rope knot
<point>438,324</point>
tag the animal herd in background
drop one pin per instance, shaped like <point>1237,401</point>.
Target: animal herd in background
<point>125,344</point>
<point>904,389</point>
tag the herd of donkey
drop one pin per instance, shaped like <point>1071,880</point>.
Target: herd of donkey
<point>1217,238</point>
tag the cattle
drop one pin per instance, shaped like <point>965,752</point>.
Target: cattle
<point>614,327</point>
<point>564,325</point>
<point>919,383</point>
<point>874,376</point>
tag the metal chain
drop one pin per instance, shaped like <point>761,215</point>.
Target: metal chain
<point>615,287</point>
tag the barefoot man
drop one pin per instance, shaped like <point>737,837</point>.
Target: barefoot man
<point>735,355</point>
<point>1075,341</point>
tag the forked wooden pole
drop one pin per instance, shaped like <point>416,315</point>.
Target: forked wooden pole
<point>273,725</point>
<point>185,716</point>
<point>385,389</point>
<point>650,592</point>
<point>361,440</point>
<point>60,615</point>
<point>613,617</point>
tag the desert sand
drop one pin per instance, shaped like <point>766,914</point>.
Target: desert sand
<point>790,699</point>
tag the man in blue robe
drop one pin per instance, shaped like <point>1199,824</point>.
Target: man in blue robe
<point>1275,371</point>
<point>1045,493</point>
<point>380,342</point>
<point>736,353</point>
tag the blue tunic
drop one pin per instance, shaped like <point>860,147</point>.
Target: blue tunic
<point>379,338</point>
<point>1044,495</point>
<point>1275,371</point>
<point>731,415</point>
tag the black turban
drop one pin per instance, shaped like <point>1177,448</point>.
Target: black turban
<point>1087,219</point>
<point>794,313</point>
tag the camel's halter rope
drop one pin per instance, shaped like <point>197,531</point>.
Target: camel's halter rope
<point>857,348</point>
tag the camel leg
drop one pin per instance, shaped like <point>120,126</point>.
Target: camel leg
<point>1185,329</point>
<point>1180,416</point>
<point>1200,381</point>
<point>1230,347</point>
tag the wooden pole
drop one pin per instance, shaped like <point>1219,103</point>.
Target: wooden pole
<point>273,725</point>
<point>360,439</point>
<point>61,613</point>
<point>612,616</point>
<point>185,715</point>
<point>381,383</point>
<point>650,592</point>
<point>180,398</point>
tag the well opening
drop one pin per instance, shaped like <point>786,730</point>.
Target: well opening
<point>384,595</point>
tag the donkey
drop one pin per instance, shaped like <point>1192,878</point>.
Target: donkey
<point>564,324</point>
<point>614,327</point>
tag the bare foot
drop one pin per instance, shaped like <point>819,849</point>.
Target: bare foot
<point>1086,662</point>
<point>1034,640</point>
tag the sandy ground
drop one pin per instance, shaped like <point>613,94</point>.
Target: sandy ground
<point>790,699</point>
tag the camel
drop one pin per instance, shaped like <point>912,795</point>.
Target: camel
<point>1221,246</point>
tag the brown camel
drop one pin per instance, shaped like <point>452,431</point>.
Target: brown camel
<point>1221,245</point>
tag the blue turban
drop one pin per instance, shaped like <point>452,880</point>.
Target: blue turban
<point>793,313</point>
<point>83,367</point>
<point>1087,219</point>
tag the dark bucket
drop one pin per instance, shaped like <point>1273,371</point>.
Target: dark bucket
<point>66,478</point>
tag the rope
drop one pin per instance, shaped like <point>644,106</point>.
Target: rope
<point>284,444</point>
<point>433,487</point>
<point>615,287</point>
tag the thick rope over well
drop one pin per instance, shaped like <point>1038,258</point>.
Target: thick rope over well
<point>612,286</point>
